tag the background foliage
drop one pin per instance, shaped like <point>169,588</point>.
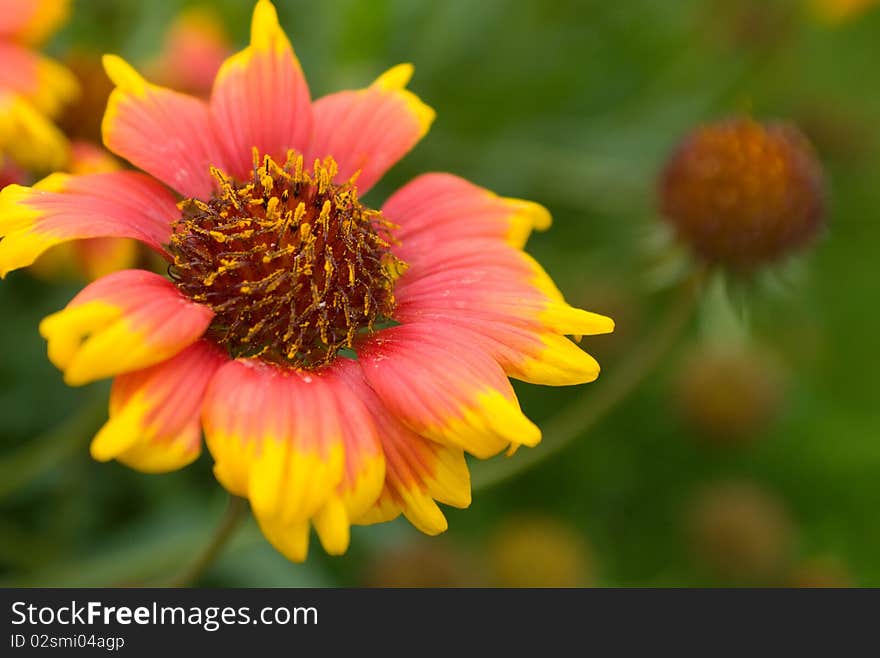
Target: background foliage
<point>574,104</point>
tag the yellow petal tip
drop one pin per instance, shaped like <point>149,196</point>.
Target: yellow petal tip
<point>332,526</point>
<point>265,27</point>
<point>397,77</point>
<point>123,74</point>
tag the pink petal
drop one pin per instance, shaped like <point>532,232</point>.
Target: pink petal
<point>300,446</point>
<point>45,83</point>
<point>369,130</point>
<point>124,322</point>
<point>448,392</point>
<point>62,207</point>
<point>260,98</point>
<point>155,423</point>
<point>165,133</point>
<point>418,472</point>
<point>436,208</point>
<point>31,21</point>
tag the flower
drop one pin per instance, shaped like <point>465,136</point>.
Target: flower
<point>340,359</point>
<point>197,36</point>
<point>821,571</point>
<point>33,88</point>
<point>744,194</point>
<point>740,531</point>
<point>839,11</point>
<point>728,395</point>
<point>539,551</point>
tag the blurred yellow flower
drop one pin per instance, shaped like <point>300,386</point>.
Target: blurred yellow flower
<point>538,551</point>
<point>33,88</point>
<point>740,531</point>
<point>823,571</point>
<point>838,11</point>
<point>729,395</point>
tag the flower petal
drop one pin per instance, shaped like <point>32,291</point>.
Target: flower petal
<point>364,464</point>
<point>488,279</point>
<point>497,297</point>
<point>451,393</point>
<point>86,260</point>
<point>418,472</point>
<point>46,84</point>
<point>277,437</point>
<point>89,258</point>
<point>530,354</point>
<point>369,130</point>
<point>31,21</point>
<point>62,207</point>
<point>364,472</point>
<point>260,98</point>
<point>439,207</point>
<point>124,322</point>
<point>99,257</point>
<point>155,423</point>
<point>165,133</point>
<point>28,137</point>
<point>10,173</point>
<point>90,158</point>
<point>290,539</point>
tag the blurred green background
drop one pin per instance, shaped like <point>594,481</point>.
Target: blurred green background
<point>750,455</point>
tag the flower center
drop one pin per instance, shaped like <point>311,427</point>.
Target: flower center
<point>742,193</point>
<point>292,264</point>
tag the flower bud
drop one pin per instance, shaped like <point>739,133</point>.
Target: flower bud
<point>536,551</point>
<point>743,194</point>
<point>728,396</point>
<point>824,571</point>
<point>834,12</point>
<point>740,531</point>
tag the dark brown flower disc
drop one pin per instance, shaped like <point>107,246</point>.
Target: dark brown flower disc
<point>742,194</point>
<point>291,263</point>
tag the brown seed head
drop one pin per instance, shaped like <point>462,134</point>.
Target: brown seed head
<point>741,531</point>
<point>729,396</point>
<point>294,267</point>
<point>743,194</point>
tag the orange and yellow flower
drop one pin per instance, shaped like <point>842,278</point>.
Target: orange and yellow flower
<point>33,88</point>
<point>340,360</point>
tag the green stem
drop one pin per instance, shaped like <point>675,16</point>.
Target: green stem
<point>236,511</point>
<point>595,402</point>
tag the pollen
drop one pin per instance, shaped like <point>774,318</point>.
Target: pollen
<point>294,267</point>
<point>742,193</point>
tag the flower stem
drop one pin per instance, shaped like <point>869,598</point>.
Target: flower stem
<point>236,511</point>
<point>595,402</point>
